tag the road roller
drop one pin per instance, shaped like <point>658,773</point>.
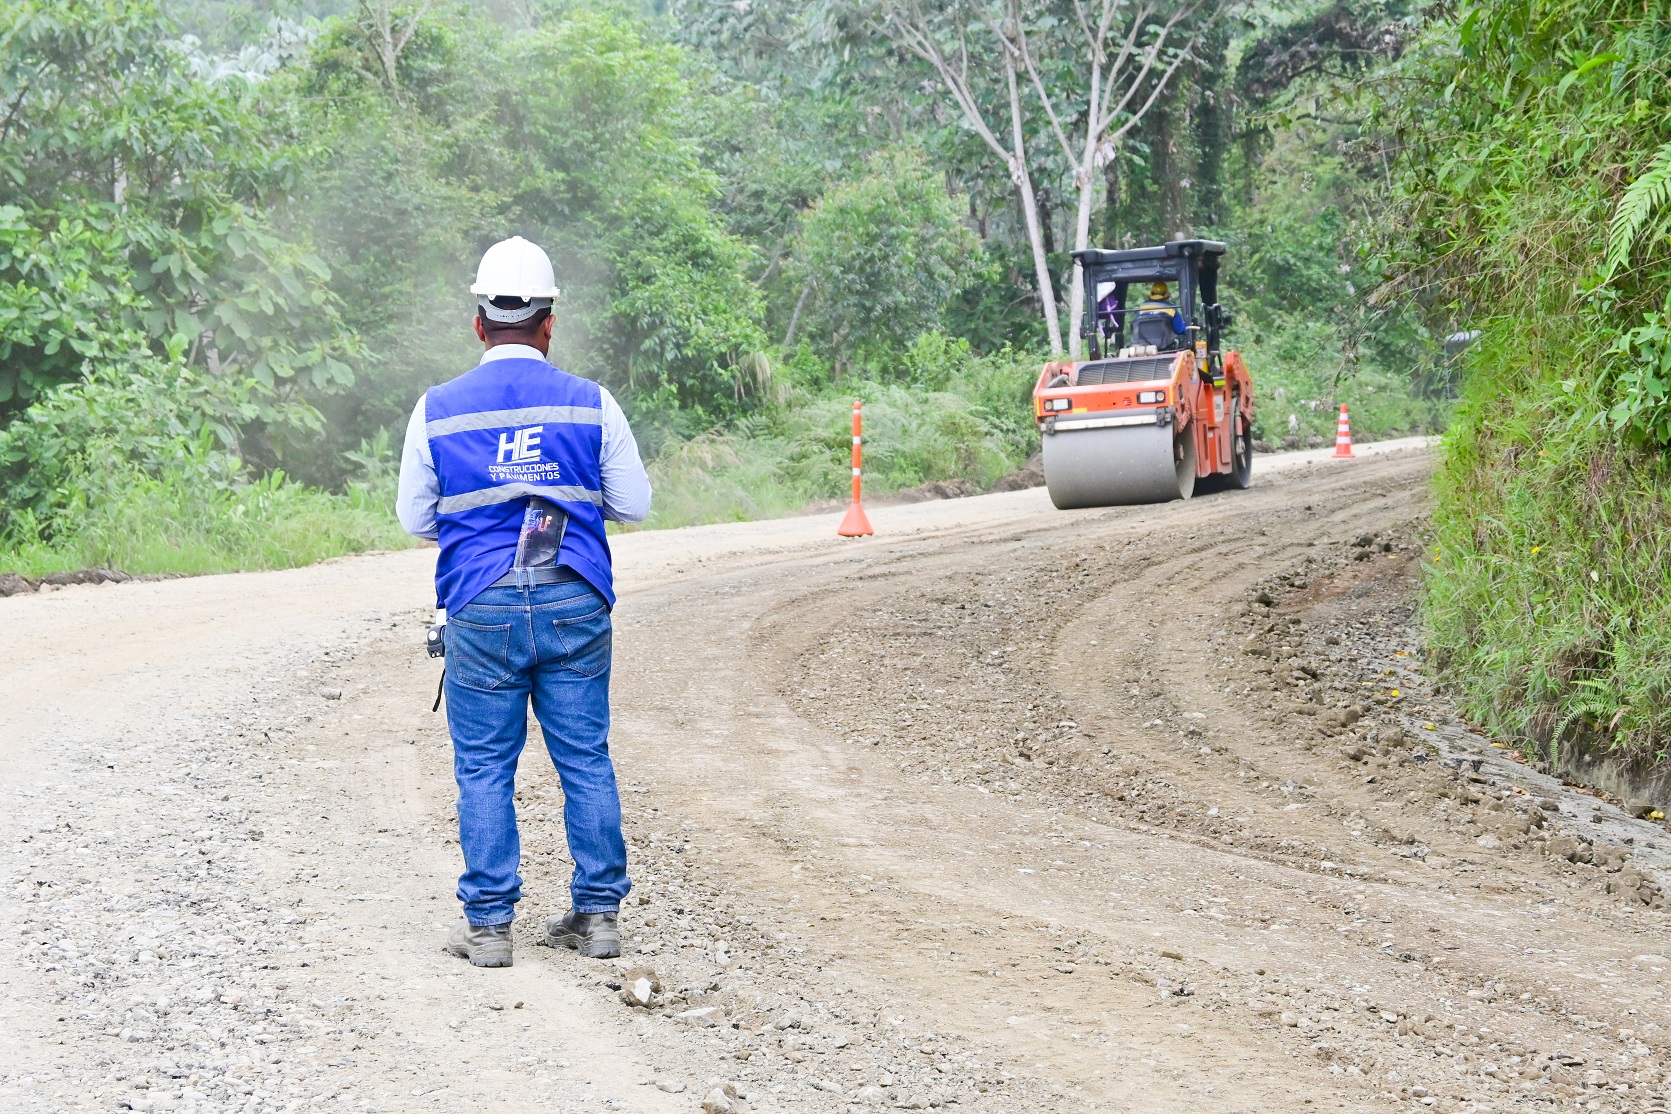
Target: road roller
<point>1159,410</point>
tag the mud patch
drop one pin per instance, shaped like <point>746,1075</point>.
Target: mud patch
<point>1029,475</point>
<point>16,584</point>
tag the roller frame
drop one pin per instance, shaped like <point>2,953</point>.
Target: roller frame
<point>1107,450</point>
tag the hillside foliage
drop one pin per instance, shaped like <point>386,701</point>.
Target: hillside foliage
<point>1532,204</point>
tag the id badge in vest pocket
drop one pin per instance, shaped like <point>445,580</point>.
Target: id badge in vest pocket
<point>543,525</point>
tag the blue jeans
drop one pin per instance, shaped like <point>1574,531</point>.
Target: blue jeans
<point>550,642</point>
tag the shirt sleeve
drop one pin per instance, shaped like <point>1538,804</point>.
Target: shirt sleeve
<point>420,489</point>
<point>626,486</point>
<point>1178,325</point>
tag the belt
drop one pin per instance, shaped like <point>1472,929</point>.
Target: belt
<point>518,578</point>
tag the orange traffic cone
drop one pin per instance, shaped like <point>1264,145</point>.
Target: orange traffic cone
<point>856,524</point>
<point>1343,435</point>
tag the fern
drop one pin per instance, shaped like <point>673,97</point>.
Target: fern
<point>1641,201</point>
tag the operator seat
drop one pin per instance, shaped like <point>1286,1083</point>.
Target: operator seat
<point>1156,329</point>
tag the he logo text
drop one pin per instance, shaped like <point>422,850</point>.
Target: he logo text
<point>521,446</point>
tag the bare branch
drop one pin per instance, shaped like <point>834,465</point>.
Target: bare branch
<point>1038,83</point>
<point>907,25</point>
<point>795,318</point>
<point>412,25</point>
<point>1118,72</point>
<point>388,36</point>
<point>1149,58</point>
<point>11,116</point>
<point>1099,40</point>
<point>1084,23</point>
<point>918,39</point>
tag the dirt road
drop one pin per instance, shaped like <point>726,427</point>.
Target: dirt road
<point>1142,809</point>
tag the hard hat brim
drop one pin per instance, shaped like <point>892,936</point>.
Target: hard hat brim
<point>514,315</point>
<point>515,268</point>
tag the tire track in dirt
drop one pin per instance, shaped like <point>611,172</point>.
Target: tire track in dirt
<point>1309,819</point>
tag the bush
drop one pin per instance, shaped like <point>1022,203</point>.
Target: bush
<point>1549,599</point>
<point>1301,375</point>
<point>885,257</point>
<point>134,469</point>
<point>962,417</point>
<point>1297,282</point>
<point>170,523</point>
<point>135,202</point>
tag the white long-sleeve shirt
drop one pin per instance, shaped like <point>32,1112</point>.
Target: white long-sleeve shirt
<point>626,486</point>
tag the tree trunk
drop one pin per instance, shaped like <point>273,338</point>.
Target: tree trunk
<point>1030,210</point>
<point>1111,204</point>
<point>1081,241</point>
<point>1085,178</point>
<point>795,318</point>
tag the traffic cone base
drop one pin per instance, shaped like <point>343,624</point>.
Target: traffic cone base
<point>1343,436</point>
<point>855,525</point>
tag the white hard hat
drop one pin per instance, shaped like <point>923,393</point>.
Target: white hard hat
<point>514,269</point>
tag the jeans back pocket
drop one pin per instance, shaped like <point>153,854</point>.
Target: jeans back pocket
<point>585,642</point>
<point>479,654</point>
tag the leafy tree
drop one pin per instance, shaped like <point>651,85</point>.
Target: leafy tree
<point>133,202</point>
<point>573,133</point>
<point>883,258</point>
<point>623,194</point>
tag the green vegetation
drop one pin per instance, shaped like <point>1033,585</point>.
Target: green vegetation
<point>1311,337</point>
<point>952,416</point>
<point>882,258</point>
<point>172,524</point>
<point>127,472</point>
<point>235,241</point>
<point>1532,204</point>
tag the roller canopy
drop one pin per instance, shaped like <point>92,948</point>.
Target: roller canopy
<point>1190,265</point>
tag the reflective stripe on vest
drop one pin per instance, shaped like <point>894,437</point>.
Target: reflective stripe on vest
<point>528,415</point>
<point>504,493</point>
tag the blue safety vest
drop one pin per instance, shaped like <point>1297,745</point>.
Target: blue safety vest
<point>1154,308</point>
<point>498,434</point>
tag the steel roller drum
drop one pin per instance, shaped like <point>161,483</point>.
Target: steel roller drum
<point>1111,467</point>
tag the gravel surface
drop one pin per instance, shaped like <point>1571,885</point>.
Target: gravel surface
<point>1145,809</point>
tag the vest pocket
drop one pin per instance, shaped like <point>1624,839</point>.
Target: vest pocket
<point>585,642</point>
<point>479,655</point>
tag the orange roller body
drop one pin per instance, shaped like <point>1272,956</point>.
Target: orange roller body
<point>1161,409</point>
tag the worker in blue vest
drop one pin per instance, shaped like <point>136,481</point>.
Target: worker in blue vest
<point>1160,304</point>
<point>513,468</point>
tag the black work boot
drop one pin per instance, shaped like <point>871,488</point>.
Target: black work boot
<point>483,945</point>
<point>593,935</point>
